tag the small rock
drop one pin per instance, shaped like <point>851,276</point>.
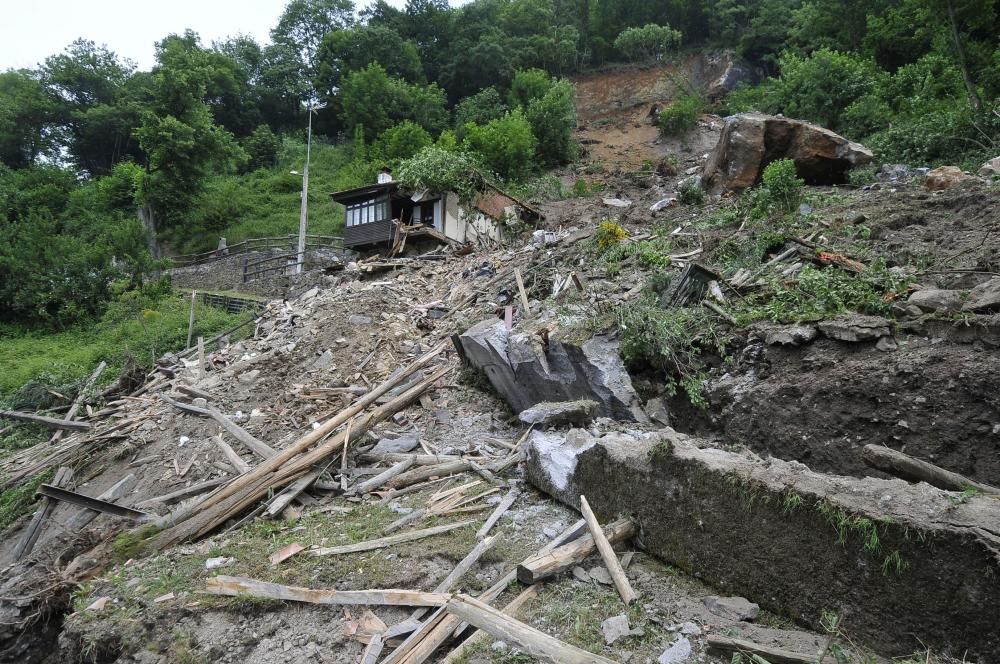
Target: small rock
<point>358,319</point>
<point>656,409</point>
<point>616,202</point>
<point>248,377</point>
<point>98,604</point>
<point>663,203</point>
<point>323,361</point>
<point>690,629</point>
<point>805,209</point>
<point>678,652</point>
<point>934,299</point>
<point>734,608</point>
<point>182,441</point>
<point>886,344</point>
<point>855,328</point>
<point>856,218</point>
<point>946,177</point>
<point>199,402</point>
<point>212,563</point>
<point>615,628</point>
<point>552,413</point>
<point>601,575</point>
<point>984,298</point>
<point>581,574</point>
<point>791,335</point>
<point>991,168</point>
<point>309,294</point>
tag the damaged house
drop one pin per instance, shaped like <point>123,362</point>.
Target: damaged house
<point>382,216</point>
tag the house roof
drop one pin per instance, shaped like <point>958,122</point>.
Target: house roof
<point>366,191</point>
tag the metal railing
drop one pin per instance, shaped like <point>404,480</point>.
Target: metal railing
<point>231,304</point>
<point>259,244</point>
<point>281,264</point>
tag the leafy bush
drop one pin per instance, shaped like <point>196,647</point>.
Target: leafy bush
<point>692,194</point>
<point>262,149</point>
<point>609,234</point>
<point>650,42</point>
<point>553,119</point>
<point>372,99</point>
<point>400,142</point>
<point>781,186</point>
<point>528,85</point>
<point>507,145</point>
<point>439,170</point>
<point>681,116</point>
<point>480,108</point>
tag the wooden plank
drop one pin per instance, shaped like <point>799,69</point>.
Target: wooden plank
<point>78,401</point>
<point>392,540</point>
<point>772,654</point>
<point>912,469</point>
<point>373,649</point>
<point>521,291</point>
<point>191,320</point>
<point>502,507</point>
<point>202,369</point>
<point>427,472</point>
<point>30,536</point>
<point>525,638</point>
<point>49,422</point>
<point>383,477</point>
<point>239,433</point>
<point>607,554</point>
<point>290,493</point>
<point>184,492</point>
<point>560,559</point>
<point>418,459</point>
<point>420,636</point>
<point>510,609</point>
<point>96,504</point>
<point>232,457</point>
<point>236,586</point>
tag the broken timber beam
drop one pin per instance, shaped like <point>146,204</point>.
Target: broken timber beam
<point>116,492</point>
<point>527,639</point>
<point>510,609</point>
<point>235,586</point>
<point>78,401</point>
<point>383,542</point>
<point>912,469</point>
<point>622,585</point>
<point>236,431</point>
<point>427,472</point>
<point>560,559</point>
<point>381,478</point>
<point>27,542</point>
<point>49,422</point>
<point>95,504</point>
<point>769,653</point>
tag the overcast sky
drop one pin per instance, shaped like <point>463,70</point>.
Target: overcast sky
<point>31,30</point>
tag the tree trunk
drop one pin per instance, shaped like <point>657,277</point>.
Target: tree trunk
<point>148,219</point>
<point>963,64</point>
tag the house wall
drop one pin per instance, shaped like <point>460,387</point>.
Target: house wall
<point>470,225</point>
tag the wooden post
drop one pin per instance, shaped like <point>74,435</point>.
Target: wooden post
<point>202,370</point>
<point>556,560</point>
<point>607,553</point>
<point>521,291</point>
<point>916,470</point>
<point>191,320</point>
<point>527,639</point>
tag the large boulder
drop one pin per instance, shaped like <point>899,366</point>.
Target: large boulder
<point>984,298</point>
<point>751,141</point>
<point>991,168</point>
<point>525,373</point>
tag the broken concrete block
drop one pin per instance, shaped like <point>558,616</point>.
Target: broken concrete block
<point>856,327</point>
<point>525,374</point>
<point>934,299</point>
<point>615,628</point>
<point>554,413</point>
<point>679,651</point>
<point>399,445</point>
<point>733,608</point>
<point>792,540</point>
<point>984,298</point>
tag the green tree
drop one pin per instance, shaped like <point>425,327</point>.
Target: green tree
<point>480,108</point>
<point>262,149</point>
<point>372,99</point>
<point>353,49</point>
<point>650,42</point>
<point>25,116</point>
<point>553,120</point>
<point>507,144</point>
<point>400,142</point>
<point>304,23</point>
<point>529,85</point>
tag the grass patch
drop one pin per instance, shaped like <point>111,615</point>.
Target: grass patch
<point>20,500</point>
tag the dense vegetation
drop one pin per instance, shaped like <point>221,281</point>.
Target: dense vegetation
<point>105,168</point>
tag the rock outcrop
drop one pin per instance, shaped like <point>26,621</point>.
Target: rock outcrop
<point>751,141</point>
<point>526,373</point>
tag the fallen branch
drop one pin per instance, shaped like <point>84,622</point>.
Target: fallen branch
<point>427,472</point>
<point>235,586</point>
<point>915,470</point>
<point>392,540</point>
<point>527,639</point>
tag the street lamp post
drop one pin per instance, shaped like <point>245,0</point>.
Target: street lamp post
<point>303,214</point>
